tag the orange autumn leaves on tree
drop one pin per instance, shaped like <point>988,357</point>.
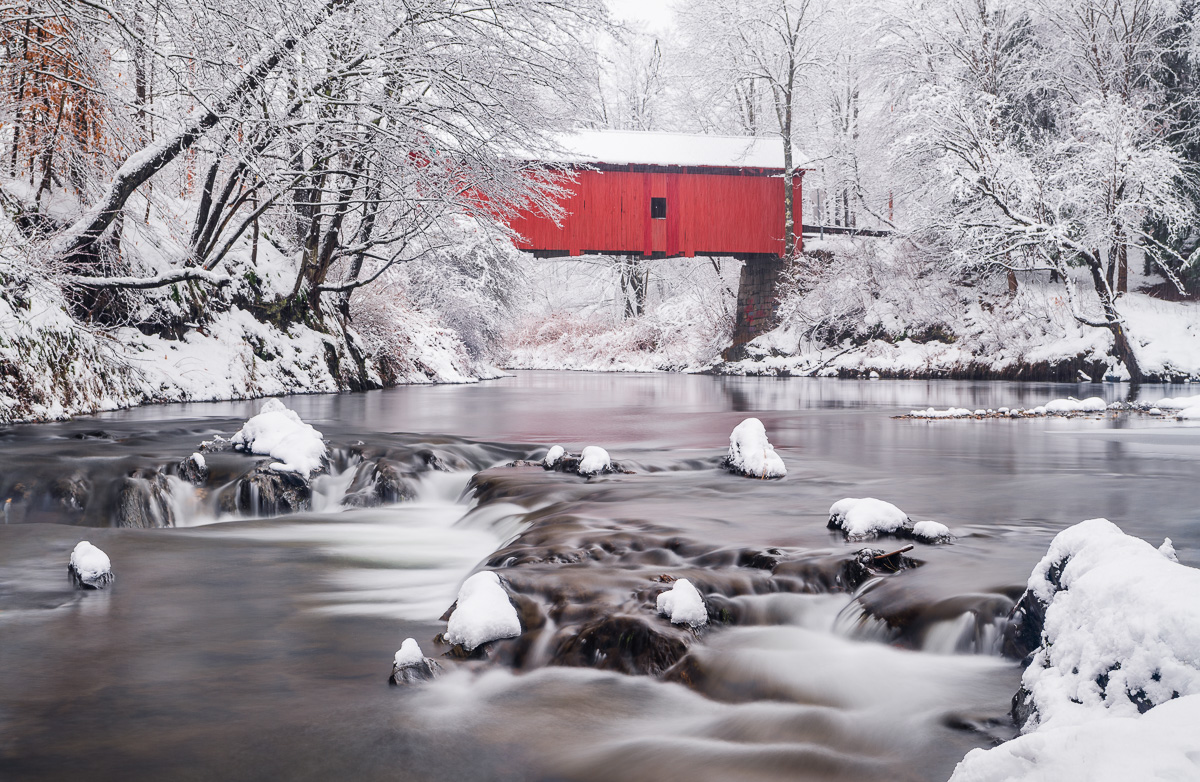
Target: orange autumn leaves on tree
<point>57,110</point>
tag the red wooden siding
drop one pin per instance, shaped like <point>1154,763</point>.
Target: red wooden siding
<point>609,212</point>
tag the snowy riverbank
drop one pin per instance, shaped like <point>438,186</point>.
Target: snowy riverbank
<point>193,344</point>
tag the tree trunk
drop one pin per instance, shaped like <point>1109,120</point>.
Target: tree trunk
<point>1122,349</point>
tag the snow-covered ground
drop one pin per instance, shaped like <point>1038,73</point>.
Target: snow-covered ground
<point>55,367</point>
<point>873,309</point>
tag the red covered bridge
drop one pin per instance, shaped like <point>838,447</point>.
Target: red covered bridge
<point>663,195</point>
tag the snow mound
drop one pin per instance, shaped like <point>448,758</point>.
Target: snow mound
<point>750,453</point>
<point>866,517</point>
<point>409,654</point>
<point>1161,744</point>
<point>278,432</point>
<point>1121,631</point>
<point>1092,404</point>
<point>931,532</point>
<point>593,460</point>
<point>682,604</point>
<point>950,412</point>
<point>1178,402</point>
<point>1189,414</point>
<point>89,566</point>
<point>1113,692</point>
<point>411,665</point>
<point>553,456</point>
<point>484,613</point>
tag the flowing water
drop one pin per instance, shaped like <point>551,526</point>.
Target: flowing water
<point>235,645</point>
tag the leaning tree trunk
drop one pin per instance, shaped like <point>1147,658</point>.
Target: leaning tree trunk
<point>1122,349</point>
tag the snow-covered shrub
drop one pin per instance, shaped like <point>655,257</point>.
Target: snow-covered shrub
<point>474,285</point>
<point>575,321</point>
<point>410,346</point>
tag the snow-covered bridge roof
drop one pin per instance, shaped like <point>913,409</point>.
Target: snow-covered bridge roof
<point>653,148</point>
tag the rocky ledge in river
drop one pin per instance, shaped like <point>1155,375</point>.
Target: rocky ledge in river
<point>588,590</point>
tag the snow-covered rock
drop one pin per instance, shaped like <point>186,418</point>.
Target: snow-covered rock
<point>751,454</point>
<point>866,517</point>
<point>411,665</point>
<point>1113,690</point>
<point>1121,628</point>
<point>278,432</point>
<point>683,604</point>
<point>484,613</point>
<point>931,532</point>
<point>1189,414</point>
<point>89,567</point>
<point>1092,404</point>
<point>194,469</point>
<point>594,460</point>
<point>553,456</point>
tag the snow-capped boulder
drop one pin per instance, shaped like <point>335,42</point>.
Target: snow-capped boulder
<point>683,604</point>
<point>1112,689</point>
<point>1119,629</point>
<point>279,433</point>
<point>751,454</point>
<point>411,665</point>
<point>89,567</point>
<point>483,613</point>
<point>864,518</point>
<point>931,532</point>
<point>553,456</point>
<point>594,460</point>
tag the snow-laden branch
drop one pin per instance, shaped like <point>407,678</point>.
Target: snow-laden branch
<point>159,281</point>
<point>143,164</point>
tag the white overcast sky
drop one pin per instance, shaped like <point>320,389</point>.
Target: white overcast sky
<point>654,15</point>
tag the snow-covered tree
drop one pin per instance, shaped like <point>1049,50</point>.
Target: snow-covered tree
<point>1043,134</point>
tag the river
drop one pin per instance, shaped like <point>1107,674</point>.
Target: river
<point>234,647</point>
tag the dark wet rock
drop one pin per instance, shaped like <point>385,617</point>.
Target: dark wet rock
<point>71,492</point>
<point>216,445</point>
<point>144,501</point>
<point>379,483</point>
<point>569,463</point>
<point>842,573</point>
<point>422,671</point>
<point>98,434</point>
<point>266,492</point>
<point>626,644</point>
<point>194,470</point>
<point>81,582</point>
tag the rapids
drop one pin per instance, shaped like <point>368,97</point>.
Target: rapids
<point>240,641</point>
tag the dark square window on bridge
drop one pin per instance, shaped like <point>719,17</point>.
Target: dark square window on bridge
<point>658,209</point>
